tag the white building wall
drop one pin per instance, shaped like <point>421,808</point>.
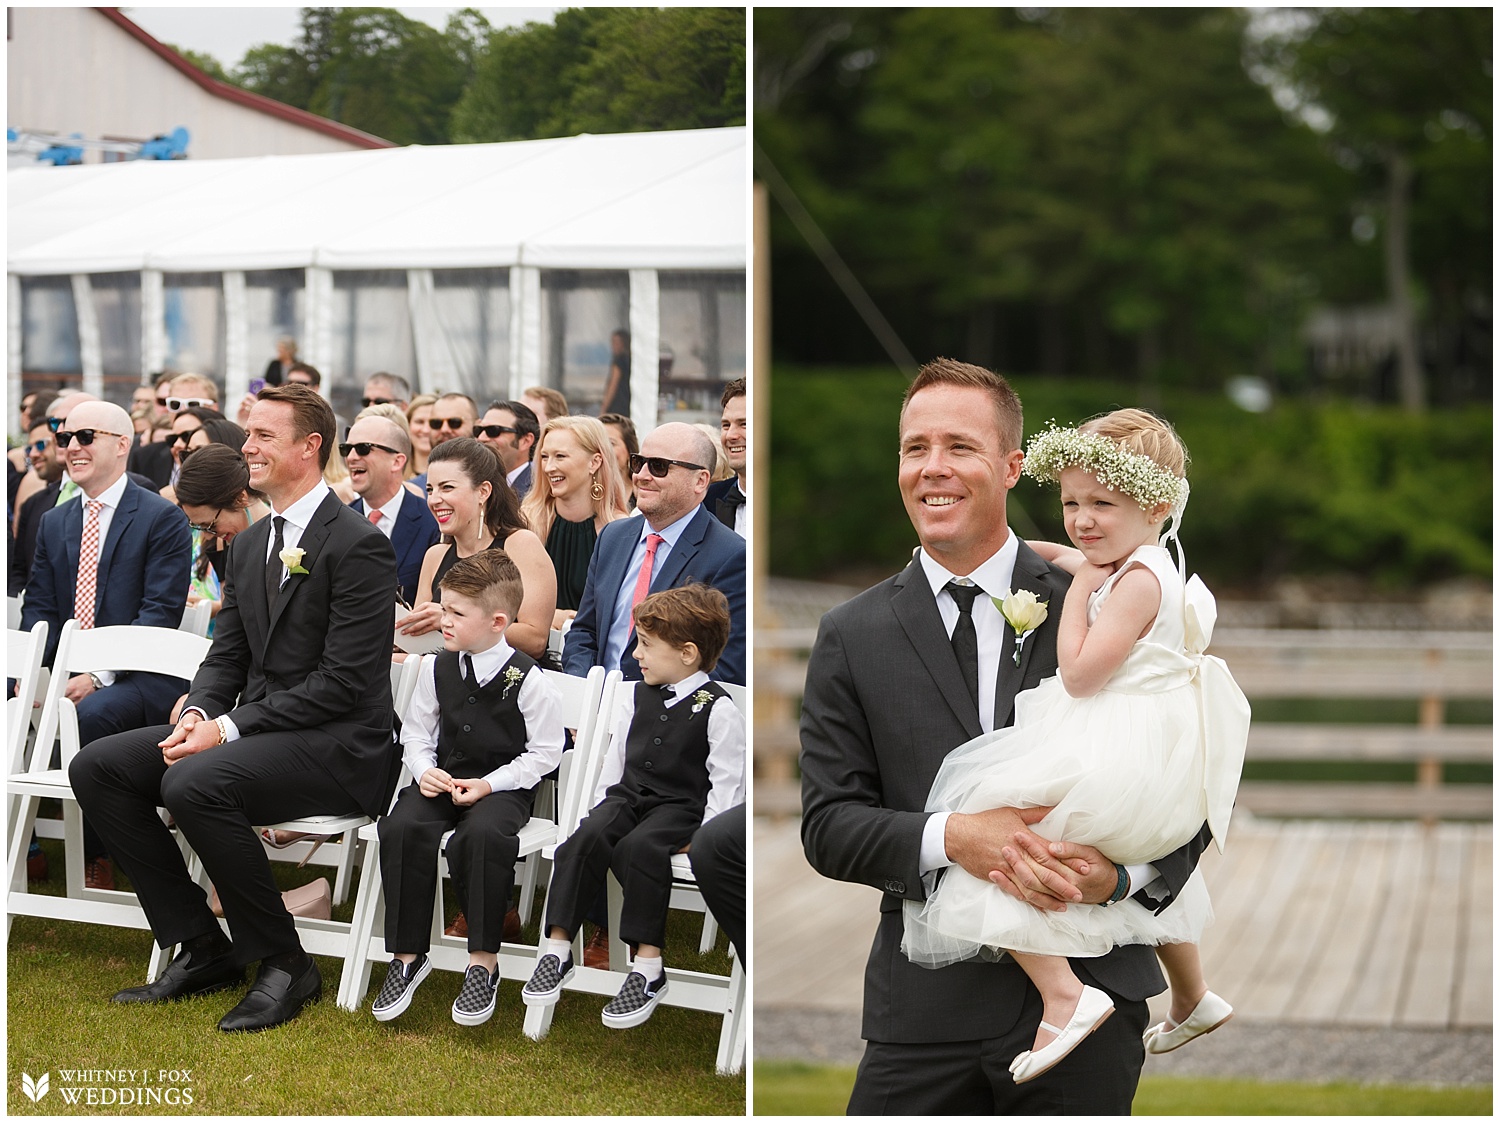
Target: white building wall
<point>73,70</point>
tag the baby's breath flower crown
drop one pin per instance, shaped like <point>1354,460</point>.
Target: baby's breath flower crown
<point>1137,476</point>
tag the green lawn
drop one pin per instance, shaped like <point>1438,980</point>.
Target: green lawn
<point>794,1088</point>
<point>329,1062</point>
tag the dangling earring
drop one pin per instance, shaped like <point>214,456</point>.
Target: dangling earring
<point>596,489</point>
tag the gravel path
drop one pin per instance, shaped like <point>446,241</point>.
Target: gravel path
<point>1251,1050</point>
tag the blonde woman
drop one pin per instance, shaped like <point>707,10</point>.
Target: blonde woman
<point>576,492</point>
<point>421,434</point>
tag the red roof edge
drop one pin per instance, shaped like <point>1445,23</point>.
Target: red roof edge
<point>249,100</point>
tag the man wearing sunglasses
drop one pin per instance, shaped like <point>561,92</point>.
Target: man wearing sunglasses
<point>55,417</point>
<point>115,554</point>
<point>385,388</point>
<point>376,454</point>
<point>673,540</point>
<point>511,430</point>
<point>46,468</point>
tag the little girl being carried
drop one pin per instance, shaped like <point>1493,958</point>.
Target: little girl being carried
<point>1136,742</point>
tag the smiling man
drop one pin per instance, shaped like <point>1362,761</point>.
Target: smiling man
<point>729,499</point>
<point>116,553</point>
<point>511,430</point>
<point>672,541</point>
<point>376,454</point>
<point>289,715</point>
<point>900,676</point>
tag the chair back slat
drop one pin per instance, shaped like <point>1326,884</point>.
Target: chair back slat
<point>23,662</point>
<point>196,619</point>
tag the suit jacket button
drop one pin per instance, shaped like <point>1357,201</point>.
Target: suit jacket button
<point>472,699</point>
<point>897,887</point>
<point>468,728</point>
<point>662,718</point>
<point>656,740</point>
<point>648,766</point>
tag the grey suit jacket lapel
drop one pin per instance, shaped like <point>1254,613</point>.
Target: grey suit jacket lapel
<point>1029,573</point>
<point>917,612</point>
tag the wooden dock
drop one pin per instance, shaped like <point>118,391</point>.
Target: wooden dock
<point>1379,924</point>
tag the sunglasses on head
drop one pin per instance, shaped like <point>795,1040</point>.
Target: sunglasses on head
<point>493,431</point>
<point>660,465</point>
<point>454,423</point>
<point>363,448</point>
<point>85,436</point>
<point>178,404</point>
<point>368,402</point>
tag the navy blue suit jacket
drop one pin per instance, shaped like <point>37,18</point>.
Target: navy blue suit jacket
<point>707,551</point>
<point>143,565</point>
<point>415,531</point>
<point>522,483</point>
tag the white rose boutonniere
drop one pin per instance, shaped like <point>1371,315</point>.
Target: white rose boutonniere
<point>512,679</point>
<point>701,699</point>
<point>291,557</point>
<point>1023,612</point>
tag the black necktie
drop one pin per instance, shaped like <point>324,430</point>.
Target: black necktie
<point>728,503</point>
<point>471,680</point>
<point>965,640</point>
<point>273,563</point>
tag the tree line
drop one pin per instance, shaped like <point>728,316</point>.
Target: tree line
<point>598,70</point>
<point>1158,194</point>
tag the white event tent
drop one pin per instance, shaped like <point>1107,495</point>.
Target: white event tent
<point>485,268</point>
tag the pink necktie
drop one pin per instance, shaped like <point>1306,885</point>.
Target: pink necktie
<point>643,581</point>
<point>88,566</point>
<point>375,516</point>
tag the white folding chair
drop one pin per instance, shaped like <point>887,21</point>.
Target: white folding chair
<point>13,613</point>
<point>23,662</point>
<point>724,995</point>
<point>196,618</point>
<point>119,648</point>
<point>583,701</point>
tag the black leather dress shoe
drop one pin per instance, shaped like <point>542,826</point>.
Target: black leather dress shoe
<point>276,996</point>
<point>188,974</point>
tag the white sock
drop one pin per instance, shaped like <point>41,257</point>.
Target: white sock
<point>651,968</point>
<point>560,948</point>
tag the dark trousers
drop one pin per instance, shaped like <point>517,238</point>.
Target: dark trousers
<point>130,702</point>
<point>215,796</point>
<point>718,857</point>
<point>973,1077</point>
<point>481,857</point>
<point>635,836</point>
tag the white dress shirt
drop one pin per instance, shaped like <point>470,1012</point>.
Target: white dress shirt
<point>993,576</point>
<point>540,705</point>
<point>620,624</point>
<point>726,747</point>
<point>110,499</point>
<point>388,513</point>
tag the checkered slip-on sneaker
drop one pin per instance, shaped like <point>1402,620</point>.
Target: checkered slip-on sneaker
<point>635,1002</point>
<point>476,1002</point>
<point>401,983</point>
<point>546,982</point>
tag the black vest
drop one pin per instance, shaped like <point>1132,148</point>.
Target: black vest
<point>479,730</point>
<point>666,751</point>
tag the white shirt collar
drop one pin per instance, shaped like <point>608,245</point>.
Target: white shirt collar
<point>389,512</point>
<point>511,477</point>
<point>111,495</point>
<point>686,687</point>
<point>487,663</point>
<point>993,575</point>
<point>671,532</point>
<point>300,513</point>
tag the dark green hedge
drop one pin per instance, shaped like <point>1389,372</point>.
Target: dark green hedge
<point>1305,489</point>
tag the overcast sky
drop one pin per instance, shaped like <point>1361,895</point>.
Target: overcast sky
<point>227,33</point>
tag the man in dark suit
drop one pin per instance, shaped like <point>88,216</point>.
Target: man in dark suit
<point>511,429</point>
<point>676,542</point>
<point>728,499</point>
<point>42,453</point>
<point>376,454</point>
<point>289,715</point>
<point>886,699</point>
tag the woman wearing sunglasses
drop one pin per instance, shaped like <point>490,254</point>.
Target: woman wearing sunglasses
<point>575,494</point>
<point>184,425</point>
<point>477,510</point>
<point>214,492</point>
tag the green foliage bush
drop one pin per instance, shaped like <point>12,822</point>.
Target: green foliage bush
<point>1305,489</point>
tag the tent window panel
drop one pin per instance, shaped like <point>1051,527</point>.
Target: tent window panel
<point>49,327</point>
<point>472,309</point>
<point>371,331</point>
<point>702,318</point>
<point>194,313</point>
<point>275,303</point>
<point>117,305</point>
<point>581,310</point>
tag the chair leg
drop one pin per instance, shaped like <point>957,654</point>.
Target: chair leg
<point>710,933</point>
<point>20,843</point>
<point>533,862</point>
<point>73,847</point>
<point>345,874</point>
<point>160,957</point>
<point>731,1056</point>
<point>355,980</point>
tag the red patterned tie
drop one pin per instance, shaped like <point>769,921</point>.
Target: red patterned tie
<point>88,566</point>
<point>643,582</point>
<point>375,516</point>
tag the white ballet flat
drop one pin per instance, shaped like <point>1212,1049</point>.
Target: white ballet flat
<point>1094,1006</point>
<point>1210,1013</point>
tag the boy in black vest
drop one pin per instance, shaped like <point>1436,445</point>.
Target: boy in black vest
<point>483,727</point>
<point>676,759</point>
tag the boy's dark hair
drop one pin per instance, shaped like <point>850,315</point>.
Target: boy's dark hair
<point>489,578</point>
<point>696,614</point>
